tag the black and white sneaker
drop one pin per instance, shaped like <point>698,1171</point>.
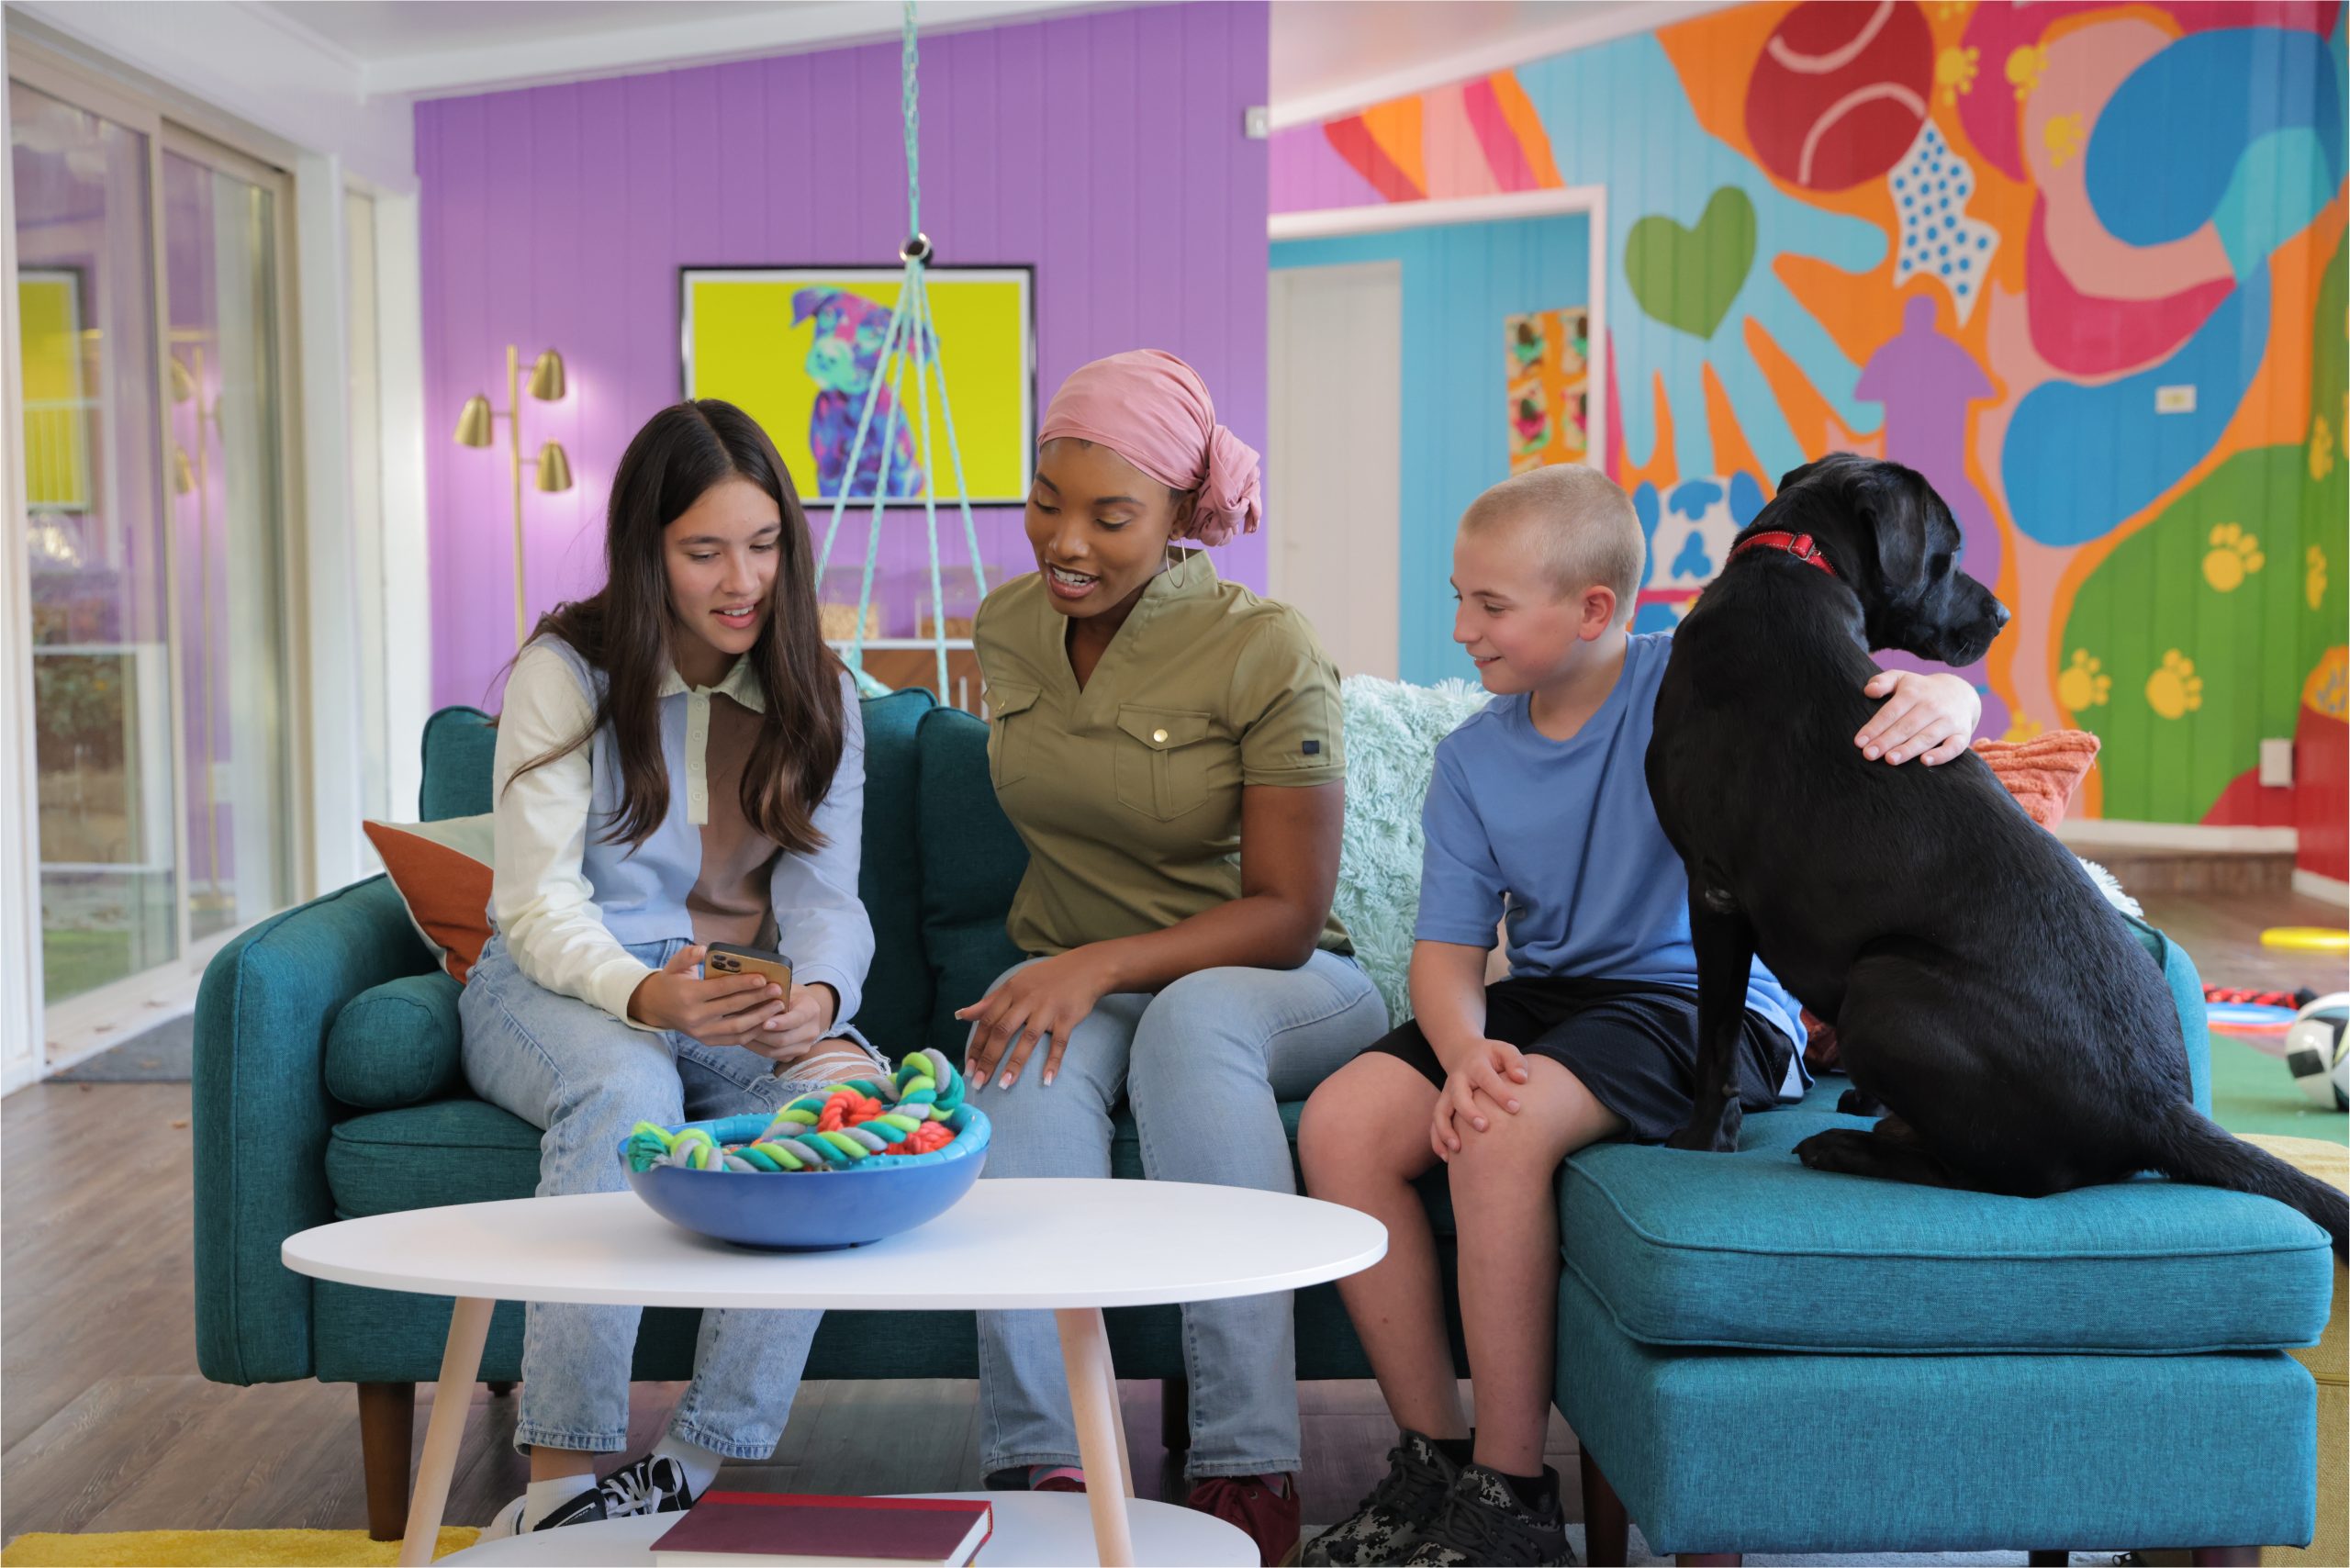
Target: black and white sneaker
<point>652,1484</point>
<point>1483,1522</point>
<point>581,1509</point>
<point>1387,1523</point>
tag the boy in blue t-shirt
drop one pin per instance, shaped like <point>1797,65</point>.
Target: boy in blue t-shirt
<point>1538,816</point>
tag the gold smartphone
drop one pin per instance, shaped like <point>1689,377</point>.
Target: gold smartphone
<point>727,958</point>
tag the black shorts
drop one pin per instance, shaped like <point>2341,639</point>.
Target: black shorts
<point>1633,1045</point>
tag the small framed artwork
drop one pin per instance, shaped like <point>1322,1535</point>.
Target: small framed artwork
<point>798,349</point>
<point>1548,376</point>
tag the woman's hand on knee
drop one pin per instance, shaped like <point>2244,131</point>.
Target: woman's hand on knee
<point>1043,1002</point>
<point>723,1010</point>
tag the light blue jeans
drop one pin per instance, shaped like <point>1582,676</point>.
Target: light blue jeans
<point>1202,1063</point>
<point>572,1069</point>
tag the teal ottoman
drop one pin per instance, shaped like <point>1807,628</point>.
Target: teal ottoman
<point>1758,1357</point>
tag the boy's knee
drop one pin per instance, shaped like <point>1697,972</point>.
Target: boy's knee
<point>1511,1148</point>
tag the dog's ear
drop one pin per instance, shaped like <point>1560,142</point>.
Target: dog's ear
<point>806,302</point>
<point>1895,502</point>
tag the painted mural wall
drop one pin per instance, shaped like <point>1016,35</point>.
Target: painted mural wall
<point>1463,284</point>
<point>1984,241</point>
<point>1105,149</point>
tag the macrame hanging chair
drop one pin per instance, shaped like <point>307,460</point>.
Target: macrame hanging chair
<point>910,339</point>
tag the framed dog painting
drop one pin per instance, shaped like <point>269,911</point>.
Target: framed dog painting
<point>798,348</point>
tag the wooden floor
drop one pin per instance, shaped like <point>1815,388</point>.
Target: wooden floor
<point>106,1425</point>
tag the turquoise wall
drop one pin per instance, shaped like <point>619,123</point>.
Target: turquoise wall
<point>1460,280</point>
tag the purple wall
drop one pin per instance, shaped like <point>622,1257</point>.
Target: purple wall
<point>1106,149</point>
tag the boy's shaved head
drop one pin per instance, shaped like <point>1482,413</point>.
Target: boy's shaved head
<point>1580,522</point>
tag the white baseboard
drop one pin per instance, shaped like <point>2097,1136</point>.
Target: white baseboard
<point>2310,885</point>
<point>2099,833</point>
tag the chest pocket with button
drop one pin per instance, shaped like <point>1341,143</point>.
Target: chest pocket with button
<point>1164,755</point>
<point>1010,743</point>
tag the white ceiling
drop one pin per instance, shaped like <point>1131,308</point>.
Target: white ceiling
<point>1327,56</point>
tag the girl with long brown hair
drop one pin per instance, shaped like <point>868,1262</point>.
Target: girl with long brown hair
<point>680,761</point>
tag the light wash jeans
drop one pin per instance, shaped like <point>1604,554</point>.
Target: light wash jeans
<point>1202,1063</point>
<point>570,1068</point>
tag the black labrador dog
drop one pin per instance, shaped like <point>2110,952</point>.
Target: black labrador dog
<point>1983,991</point>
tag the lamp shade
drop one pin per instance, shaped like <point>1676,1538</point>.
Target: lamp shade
<point>546,378</point>
<point>183,384</point>
<point>555,467</point>
<point>473,424</point>
<point>183,474</point>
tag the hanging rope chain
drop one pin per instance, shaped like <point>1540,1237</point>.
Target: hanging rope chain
<point>911,337</point>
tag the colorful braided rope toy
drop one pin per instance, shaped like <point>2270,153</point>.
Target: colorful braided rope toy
<point>907,1120</point>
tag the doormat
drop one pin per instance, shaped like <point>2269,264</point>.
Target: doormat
<point>163,1054</point>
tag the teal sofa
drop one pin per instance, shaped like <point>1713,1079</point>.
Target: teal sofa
<point>1756,1357</point>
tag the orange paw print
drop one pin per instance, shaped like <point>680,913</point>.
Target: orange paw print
<point>2235,556</point>
<point>2175,690</point>
<point>2083,683</point>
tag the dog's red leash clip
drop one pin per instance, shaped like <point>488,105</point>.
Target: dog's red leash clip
<point>1800,545</point>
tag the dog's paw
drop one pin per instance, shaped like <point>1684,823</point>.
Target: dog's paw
<point>1858,1103</point>
<point>1818,1150</point>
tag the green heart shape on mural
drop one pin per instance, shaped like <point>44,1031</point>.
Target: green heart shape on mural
<point>1687,277</point>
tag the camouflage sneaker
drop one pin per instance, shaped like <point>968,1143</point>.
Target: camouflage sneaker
<point>1387,1523</point>
<point>1483,1522</point>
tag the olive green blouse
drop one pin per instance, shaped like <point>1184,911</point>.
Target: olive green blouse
<point>1127,793</point>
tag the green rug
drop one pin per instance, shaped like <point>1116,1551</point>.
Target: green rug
<point>2252,1092</point>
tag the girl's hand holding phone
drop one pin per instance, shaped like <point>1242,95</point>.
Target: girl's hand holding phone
<point>723,1010</point>
<point>795,1031</point>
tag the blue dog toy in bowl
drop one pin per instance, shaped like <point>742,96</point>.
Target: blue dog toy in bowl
<point>851,1164</point>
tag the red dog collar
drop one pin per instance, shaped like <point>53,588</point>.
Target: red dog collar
<point>1799,545</point>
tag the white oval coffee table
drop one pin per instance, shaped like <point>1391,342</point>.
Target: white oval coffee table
<point>1033,1529</point>
<point>1072,1247</point>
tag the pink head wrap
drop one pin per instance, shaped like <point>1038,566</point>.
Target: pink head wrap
<point>1154,410</point>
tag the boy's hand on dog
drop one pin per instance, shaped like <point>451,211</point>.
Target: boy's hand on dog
<point>1485,1079</point>
<point>722,1010</point>
<point>1930,717</point>
<point>1046,1001</point>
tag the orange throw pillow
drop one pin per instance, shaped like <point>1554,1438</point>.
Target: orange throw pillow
<point>2042,774</point>
<point>442,870</point>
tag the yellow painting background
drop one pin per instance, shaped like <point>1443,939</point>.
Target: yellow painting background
<point>743,347</point>
<point>56,458</point>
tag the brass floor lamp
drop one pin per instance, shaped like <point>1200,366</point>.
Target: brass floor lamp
<point>475,427</point>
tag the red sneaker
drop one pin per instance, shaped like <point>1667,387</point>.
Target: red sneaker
<point>1055,1478</point>
<point>1265,1506</point>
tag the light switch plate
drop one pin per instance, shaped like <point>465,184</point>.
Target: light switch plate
<point>2276,764</point>
<point>1257,122</point>
<point>2175,399</point>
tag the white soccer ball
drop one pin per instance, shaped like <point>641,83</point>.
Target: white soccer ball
<point>2315,1051</point>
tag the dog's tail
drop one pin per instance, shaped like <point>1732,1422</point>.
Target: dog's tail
<point>2190,1147</point>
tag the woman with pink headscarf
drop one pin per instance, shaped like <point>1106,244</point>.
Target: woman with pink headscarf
<point>1168,745</point>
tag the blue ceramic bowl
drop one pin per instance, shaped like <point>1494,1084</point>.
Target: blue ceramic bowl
<point>813,1210</point>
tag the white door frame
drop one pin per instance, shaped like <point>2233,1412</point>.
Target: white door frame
<point>1326,223</point>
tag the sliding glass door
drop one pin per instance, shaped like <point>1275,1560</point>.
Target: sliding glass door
<point>220,285</point>
<point>97,547</point>
<point>149,269</point>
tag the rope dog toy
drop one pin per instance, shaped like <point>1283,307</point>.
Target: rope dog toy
<point>917,1112</point>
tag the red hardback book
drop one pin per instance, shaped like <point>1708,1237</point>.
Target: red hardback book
<point>737,1528</point>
